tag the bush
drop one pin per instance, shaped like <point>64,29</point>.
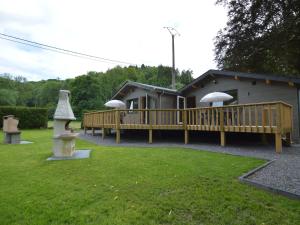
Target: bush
<point>29,117</point>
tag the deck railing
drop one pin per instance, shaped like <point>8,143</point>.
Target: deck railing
<point>271,117</point>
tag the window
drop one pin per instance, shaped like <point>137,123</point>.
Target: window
<point>191,102</point>
<point>234,94</point>
<point>132,103</point>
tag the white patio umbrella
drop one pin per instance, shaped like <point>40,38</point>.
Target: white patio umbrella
<point>216,97</point>
<point>115,104</point>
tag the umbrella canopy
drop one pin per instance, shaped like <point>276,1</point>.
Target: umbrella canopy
<point>115,104</point>
<point>216,97</point>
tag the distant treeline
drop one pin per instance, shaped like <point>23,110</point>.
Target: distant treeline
<point>88,92</point>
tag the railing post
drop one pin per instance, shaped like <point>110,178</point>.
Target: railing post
<point>84,121</point>
<point>222,130</point>
<point>102,123</point>
<point>93,129</point>
<point>186,132</point>
<point>278,134</point>
<point>117,123</point>
<point>150,136</point>
<point>148,112</point>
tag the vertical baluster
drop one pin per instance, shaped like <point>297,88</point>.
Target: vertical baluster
<point>232,117</point>
<point>159,117</point>
<point>270,116</point>
<point>244,117</point>
<point>208,122</point>
<point>256,118</point>
<point>227,117</point>
<point>205,117</point>
<point>250,117</point>
<point>200,118</point>
<point>238,117</point>
<point>217,117</point>
<point>212,116</point>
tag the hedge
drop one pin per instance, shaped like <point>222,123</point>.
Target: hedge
<point>29,117</point>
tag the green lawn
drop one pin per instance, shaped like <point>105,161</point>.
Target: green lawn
<point>119,185</point>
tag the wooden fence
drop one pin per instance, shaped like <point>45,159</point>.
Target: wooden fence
<point>265,118</point>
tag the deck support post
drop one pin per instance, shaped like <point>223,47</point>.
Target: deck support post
<point>117,121</point>
<point>93,131</point>
<point>186,136</point>
<point>278,134</point>
<point>278,142</point>
<point>150,136</point>
<point>84,130</point>
<point>222,133</point>
<point>186,132</point>
<point>288,139</point>
<point>118,134</point>
<point>223,139</point>
<point>103,133</point>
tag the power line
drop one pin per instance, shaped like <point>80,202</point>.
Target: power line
<point>53,50</point>
<point>59,50</point>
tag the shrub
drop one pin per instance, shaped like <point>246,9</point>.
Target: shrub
<point>29,117</point>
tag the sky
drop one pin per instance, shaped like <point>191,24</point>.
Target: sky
<point>130,31</point>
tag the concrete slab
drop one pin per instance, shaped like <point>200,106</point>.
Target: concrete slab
<point>79,154</point>
<point>26,142</point>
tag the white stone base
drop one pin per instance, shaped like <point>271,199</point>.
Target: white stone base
<point>78,154</point>
<point>63,147</point>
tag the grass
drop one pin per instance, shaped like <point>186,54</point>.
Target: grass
<point>119,185</point>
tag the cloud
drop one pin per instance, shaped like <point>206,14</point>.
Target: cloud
<point>123,30</point>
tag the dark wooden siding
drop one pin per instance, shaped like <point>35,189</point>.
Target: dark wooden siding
<point>249,93</point>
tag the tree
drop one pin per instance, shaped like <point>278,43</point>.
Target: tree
<point>260,36</point>
<point>186,77</point>
<point>88,92</point>
<point>8,97</point>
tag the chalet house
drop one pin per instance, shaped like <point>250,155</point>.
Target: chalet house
<point>261,104</point>
<point>244,87</point>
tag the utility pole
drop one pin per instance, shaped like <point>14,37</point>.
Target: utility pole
<point>173,33</point>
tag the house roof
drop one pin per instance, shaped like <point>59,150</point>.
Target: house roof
<point>144,86</point>
<point>209,73</point>
<point>212,73</point>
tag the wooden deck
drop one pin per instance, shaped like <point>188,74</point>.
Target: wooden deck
<point>265,118</point>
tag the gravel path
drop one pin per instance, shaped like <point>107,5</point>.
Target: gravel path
<point>282,174</point>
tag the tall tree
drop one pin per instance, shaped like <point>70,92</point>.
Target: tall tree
<point>186,77</point>
<point>8,97</point>
<point>260,36</point>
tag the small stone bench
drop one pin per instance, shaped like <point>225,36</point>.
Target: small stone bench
<point>12,137</point>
